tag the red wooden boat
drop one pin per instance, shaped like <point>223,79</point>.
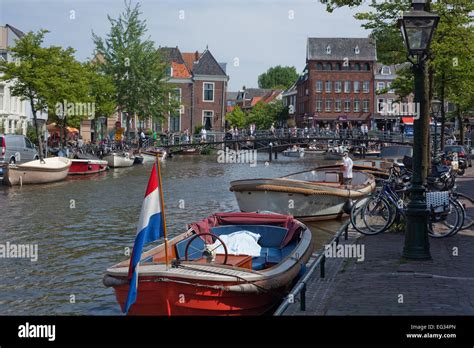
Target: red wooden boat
<point>87,166</point>
<point>198,282</point>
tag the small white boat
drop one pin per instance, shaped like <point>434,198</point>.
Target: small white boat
<point>150,156</point>
<point>118,160</point>
<point>37,172</point>
<point>294,152</point>
<point>311,195</point>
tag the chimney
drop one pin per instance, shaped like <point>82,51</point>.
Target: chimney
<point>196,56</point>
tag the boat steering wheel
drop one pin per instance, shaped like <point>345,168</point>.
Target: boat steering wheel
<point>205,251</point>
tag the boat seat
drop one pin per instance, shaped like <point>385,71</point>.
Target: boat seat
<point>193,254</point>
<point>270,236</point>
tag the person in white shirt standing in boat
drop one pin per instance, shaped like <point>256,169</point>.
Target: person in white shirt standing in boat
<point>347,168</point>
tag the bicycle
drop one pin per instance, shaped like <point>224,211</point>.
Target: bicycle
<point>379,211</point>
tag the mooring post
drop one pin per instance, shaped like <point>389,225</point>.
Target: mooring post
<point>276,152</point>
<point>303,298</point>
<point>346,232</point>
<point>270,150</point>
<point>322,266</point>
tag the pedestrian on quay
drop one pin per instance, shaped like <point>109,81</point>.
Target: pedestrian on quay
<point>203,134</point>
<point>347,168</point>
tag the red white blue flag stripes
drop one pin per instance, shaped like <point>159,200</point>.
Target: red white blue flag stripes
<point>150,228</point>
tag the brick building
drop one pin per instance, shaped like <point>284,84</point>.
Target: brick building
<point>201,84</point>
<point>337,84</point>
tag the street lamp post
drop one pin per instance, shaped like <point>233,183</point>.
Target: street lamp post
<point>417,28</point>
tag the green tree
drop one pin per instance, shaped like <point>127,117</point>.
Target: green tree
<point>137,69</point>
<point>260,115</point>
<point>43,75</point>
<point>278,77</point>
<point>236,117</point>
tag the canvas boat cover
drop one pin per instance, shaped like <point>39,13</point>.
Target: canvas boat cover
<point>220,219</point>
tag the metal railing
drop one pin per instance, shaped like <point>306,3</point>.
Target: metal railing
<point>320,261</point>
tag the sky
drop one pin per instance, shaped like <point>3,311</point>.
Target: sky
<point>249,35</point>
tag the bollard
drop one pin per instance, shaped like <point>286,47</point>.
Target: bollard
<point>276,152</point>
<point>303,298</point>
<point>322,265</point>
<point>346,232</point>
<point>270,152</point>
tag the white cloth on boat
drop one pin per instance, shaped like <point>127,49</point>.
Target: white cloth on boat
<point>239,243</point>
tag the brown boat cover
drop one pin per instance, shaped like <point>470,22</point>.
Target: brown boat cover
<point>219,219</point>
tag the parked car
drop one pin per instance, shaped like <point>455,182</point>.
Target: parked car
<point>464,153</point>
<point>16,149</point>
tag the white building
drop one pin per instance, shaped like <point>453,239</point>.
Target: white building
<point>14,113</point>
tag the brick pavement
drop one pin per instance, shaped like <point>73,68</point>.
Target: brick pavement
<point>386,284</point>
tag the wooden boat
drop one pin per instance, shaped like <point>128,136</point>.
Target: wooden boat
<point>335,152</point>
<point>118,160</point>
<point>294,152</point>
<point>37,172</point>
<point>316,194</point>
<point>150,155</point>
<point>87,166</point>
<point>191,151</point>
<point>225,284</point>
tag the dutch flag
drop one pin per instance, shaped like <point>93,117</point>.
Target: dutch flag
<point>150,228</point>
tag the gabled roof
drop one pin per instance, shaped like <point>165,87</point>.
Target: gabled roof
<point>207,65</point>
<point>341,48</point>
<point>190,58</point>
<point>17,32</point>
<point>231,95</point>
<point>171,54</point>
<point>253,92</point>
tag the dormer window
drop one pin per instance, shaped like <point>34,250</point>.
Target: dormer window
<point>328,49</point>
<point>386,70</point>
<point>356,50</point>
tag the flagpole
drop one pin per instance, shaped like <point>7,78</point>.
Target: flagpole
<point>162,206</point>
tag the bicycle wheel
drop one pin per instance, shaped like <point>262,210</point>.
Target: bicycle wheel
<point>446,223</point>
<point>468,205</point>
<point>371,215</point>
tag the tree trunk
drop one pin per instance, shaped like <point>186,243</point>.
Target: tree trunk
<point>461,124</point>
<point>443,113</point>
<point>35,120</point>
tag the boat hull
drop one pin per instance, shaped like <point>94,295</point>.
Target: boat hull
<point>84,167</point>
<point>34,172</point>
<point>297,154</point>
<point>119,161</point>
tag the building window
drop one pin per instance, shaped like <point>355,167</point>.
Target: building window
<point>319,66</point>
<point>208,91</point>
<point>328,49</point>
<point>337,66</point>
<point>356,86</point>
<point>365,106</point>
<point>175,123</point>
<point>380,104</point>
<point>347,105</point>
<point>337,105</point>
<point>356,105</point>
<point>319,105</point>
<point>366,87</point>
<point>380,86</point>
<point>319,86</point>
<point>367,67</point>
<point>347,86</point>
<point>328,86</point>
<point>327,66</point>
<point>328,105</point>
<point>390,106</point>
<point>386,70</point>
<point>338,86</point>
<point>357,66</point>
<point>2,93</point>
<point>207,119</point>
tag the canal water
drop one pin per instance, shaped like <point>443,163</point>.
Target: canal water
<point>83,225</point>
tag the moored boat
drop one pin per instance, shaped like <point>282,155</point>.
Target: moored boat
<point>294,152</point>
<point>118,160</point>
<point>221,282</point>
<point>48,170</point>
<point>138,159</point>
<point>378,168</point>
<point>150,156</point>
<point>87,166</point>
<point>316,194</point>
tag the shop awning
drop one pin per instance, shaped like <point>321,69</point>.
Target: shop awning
<point>407,120</point>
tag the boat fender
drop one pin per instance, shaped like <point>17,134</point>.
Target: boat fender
<point>347,206</point>
<point>110,281</point>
